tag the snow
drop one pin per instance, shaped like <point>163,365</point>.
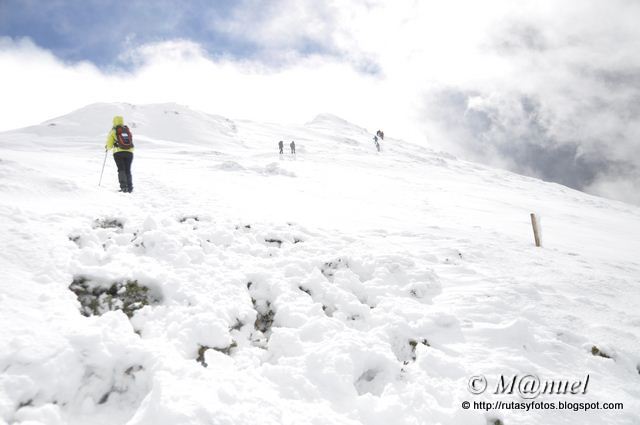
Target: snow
<point>340,286</point>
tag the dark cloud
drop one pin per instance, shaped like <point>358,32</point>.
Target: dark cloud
<point>567,106</point>
<point>516,134</point>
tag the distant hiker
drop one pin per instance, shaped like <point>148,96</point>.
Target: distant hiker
<point>380,134</point>
<point>281,146</point>
<point>375,141</point>
<point>292,145</point>
<point>120,141</point>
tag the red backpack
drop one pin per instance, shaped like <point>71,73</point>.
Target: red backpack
<point>124,139</point>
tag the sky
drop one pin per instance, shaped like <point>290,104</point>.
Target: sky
<point>545,88</point>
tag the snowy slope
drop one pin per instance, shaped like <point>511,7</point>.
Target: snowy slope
<point>339,287</point>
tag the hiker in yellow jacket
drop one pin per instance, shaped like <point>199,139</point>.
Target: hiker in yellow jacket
<point>121,142</point>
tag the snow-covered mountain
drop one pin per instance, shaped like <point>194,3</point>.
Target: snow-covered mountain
<point>341,286</point>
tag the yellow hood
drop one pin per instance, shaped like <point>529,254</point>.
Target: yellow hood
<point>118,120</point>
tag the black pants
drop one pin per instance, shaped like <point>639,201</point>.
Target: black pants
<point>123,161</point>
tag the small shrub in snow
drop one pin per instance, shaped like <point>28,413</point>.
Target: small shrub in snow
<point>107,223</point>
<point>237,325</point>
<point>127,296</point>
<point>262,306</point>
<point>305,290</point>
<point>328,310</point>
<point>405,349</point>
<point>329,268</point>
<point>227,350</point>
<point>277,242</point>
<point>25,404</point>
<point>122,386</point>
<point>189,217</point>
<point>135,239</point>
<point>131,370</point>
<point>597,352</point>
<point>413,344</point>
<point>264,318</point>
<point>200,359</point>
<point>202,349</point>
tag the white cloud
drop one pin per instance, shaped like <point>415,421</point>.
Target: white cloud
<point>40,86</point>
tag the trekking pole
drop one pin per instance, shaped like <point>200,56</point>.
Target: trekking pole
<point>103,164</point>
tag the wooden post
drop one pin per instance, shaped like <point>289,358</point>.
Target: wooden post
<point>536,229</point>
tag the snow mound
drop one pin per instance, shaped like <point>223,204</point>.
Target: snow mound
<point>336,125</point>
<point>165,122</point>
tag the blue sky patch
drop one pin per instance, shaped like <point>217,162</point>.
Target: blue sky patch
<point>97,31</point>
